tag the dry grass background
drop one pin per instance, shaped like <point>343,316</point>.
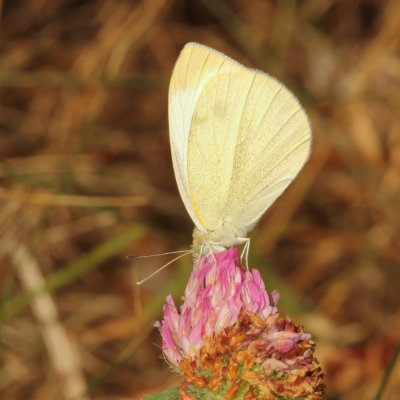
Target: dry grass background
<point>86,178</point>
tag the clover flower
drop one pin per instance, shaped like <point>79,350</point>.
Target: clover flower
<point>228,340</point>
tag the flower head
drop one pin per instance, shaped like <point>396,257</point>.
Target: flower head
<point>228,337</point>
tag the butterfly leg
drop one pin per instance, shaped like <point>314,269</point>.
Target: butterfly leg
<point>212,254</point>
<point>245,251</point>
<point>202,248</point>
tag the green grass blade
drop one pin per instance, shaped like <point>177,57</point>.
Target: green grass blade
<point>72,271</point>
<point>387,374</point>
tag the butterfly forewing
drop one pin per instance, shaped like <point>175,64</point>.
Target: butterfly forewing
<point>195,66</point>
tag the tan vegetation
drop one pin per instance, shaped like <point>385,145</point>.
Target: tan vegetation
<point>86,178</point>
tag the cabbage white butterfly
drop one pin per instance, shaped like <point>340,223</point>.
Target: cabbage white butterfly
<point>238,138</point>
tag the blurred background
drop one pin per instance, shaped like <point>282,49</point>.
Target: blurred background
<point>86,179</point>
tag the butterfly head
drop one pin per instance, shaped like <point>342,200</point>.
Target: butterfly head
<point>206,241</point>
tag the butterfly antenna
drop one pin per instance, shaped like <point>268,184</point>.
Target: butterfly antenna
<point>157,254</point>
<point>165,265</point>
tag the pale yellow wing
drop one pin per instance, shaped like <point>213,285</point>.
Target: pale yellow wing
<point>249,137</point>
<point>196,65</point>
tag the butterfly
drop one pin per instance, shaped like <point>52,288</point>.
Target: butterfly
<point>238,138</point>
